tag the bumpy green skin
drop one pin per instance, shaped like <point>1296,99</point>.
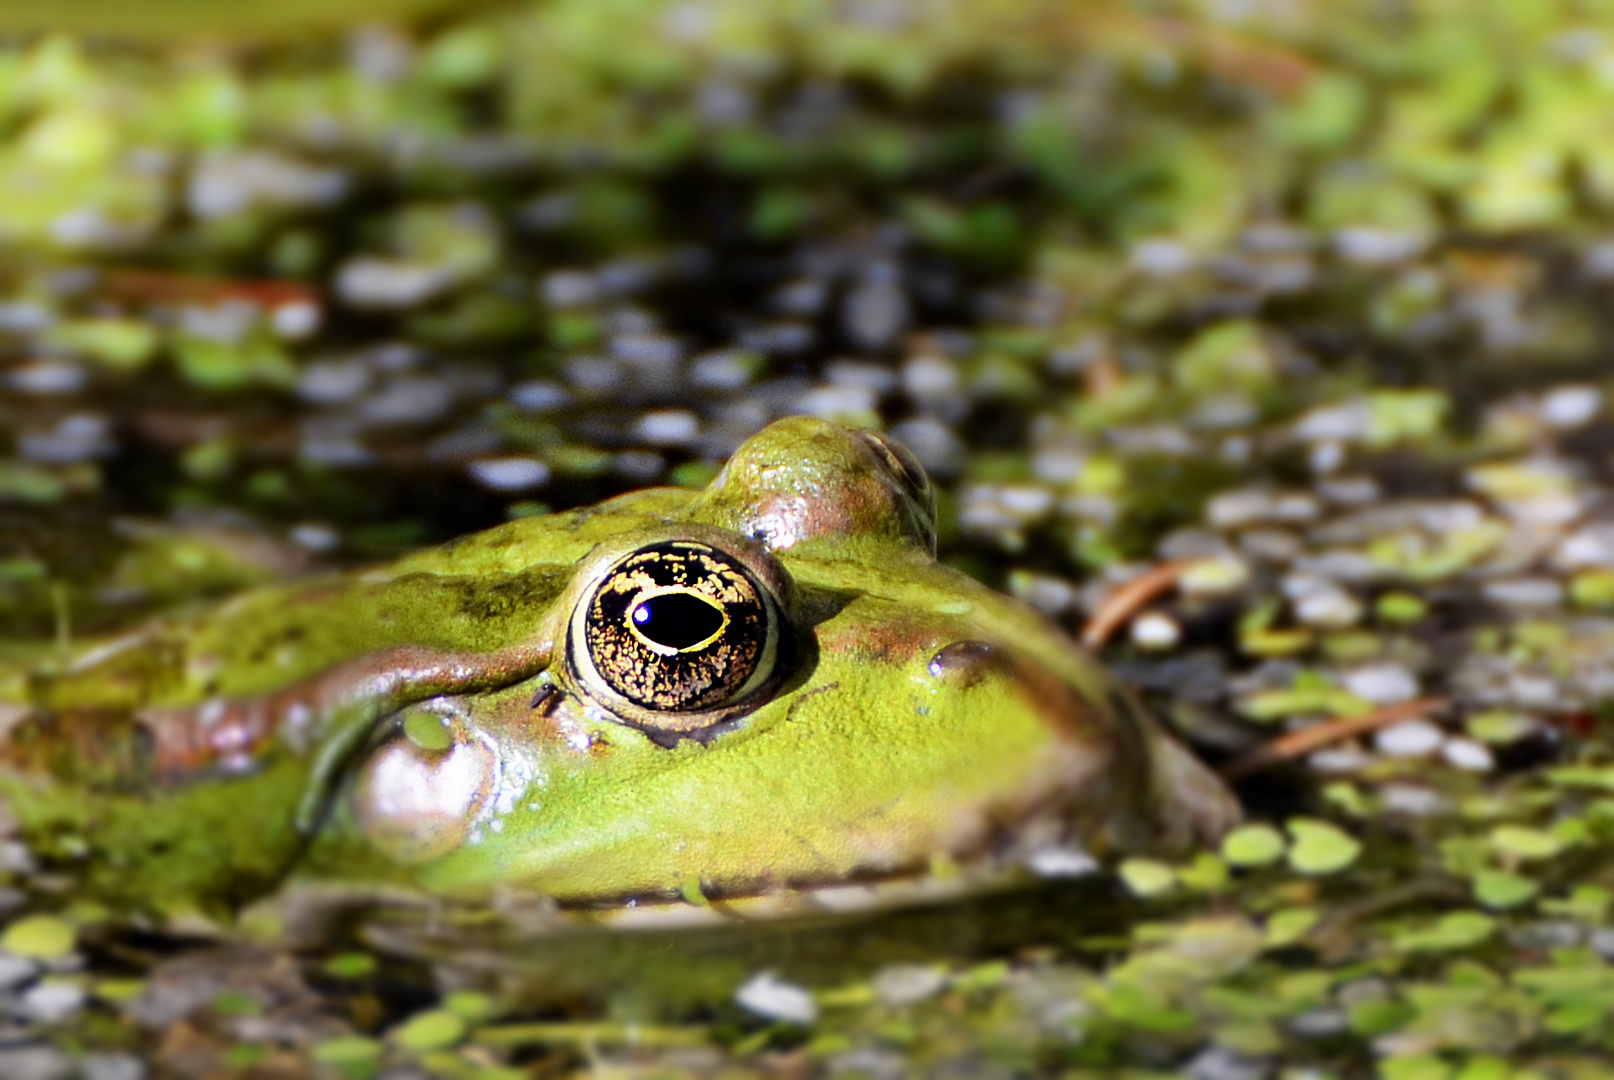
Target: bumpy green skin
<point>919,718</point>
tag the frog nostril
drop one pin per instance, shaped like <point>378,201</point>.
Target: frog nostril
<point>967,661</point>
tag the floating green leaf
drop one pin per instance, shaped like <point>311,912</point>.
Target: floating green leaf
<point>346,1050</point>
<point>1416,1067</point>
<point>1524,843</point>
<point>1320,848</point>
<point>1455,930</point>
<point>39,937</point>
<point>1499,889</point>
<point>1146,877</point>
<point>434,1029</point>
<point>1289,925</point>
<point>1253,845</point>
<point>350,965</point>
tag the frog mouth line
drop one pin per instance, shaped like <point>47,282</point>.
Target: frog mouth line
<point>1042,851</point>
<point>534,916</point>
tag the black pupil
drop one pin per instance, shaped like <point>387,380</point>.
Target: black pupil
<point>677,620</point>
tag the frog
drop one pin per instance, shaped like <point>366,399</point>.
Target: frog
<point>755,698</point>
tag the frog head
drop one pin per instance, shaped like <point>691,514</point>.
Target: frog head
<point>761,688</point>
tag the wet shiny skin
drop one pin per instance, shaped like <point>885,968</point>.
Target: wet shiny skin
<point>453,721</point>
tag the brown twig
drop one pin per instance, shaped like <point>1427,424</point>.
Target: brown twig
<point>1126,601</point>
<point>1300,743</point>
<point>159,286</point>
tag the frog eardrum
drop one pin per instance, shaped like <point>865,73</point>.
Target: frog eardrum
<point>674,634</point>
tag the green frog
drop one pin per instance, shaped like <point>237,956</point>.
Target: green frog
<point>758,698</point>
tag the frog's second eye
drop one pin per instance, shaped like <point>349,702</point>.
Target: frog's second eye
<point>675,627</point>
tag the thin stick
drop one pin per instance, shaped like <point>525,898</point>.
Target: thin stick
<point>159,286</point>
<point>1129,599</point>
<point>1300,743</point>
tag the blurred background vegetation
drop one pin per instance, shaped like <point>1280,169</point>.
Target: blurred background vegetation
<point>1312,291</point>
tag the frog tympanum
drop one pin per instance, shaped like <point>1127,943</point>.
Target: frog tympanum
<point>743,697</point>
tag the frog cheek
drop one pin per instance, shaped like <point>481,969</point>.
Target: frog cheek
<point>416,803</point>
<point>979,666</point>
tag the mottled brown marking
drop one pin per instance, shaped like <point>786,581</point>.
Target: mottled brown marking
<point>883,641</point>
<point>171,744</point>
<point>92,748</point>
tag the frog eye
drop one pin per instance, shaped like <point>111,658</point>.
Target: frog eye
<point>675,627</point>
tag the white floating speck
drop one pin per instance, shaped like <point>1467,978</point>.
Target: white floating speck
<point>906,984</point>
<point>1050,595</point>
<point>327,441</point>
<point>1590,546</point>
<point>934,443</point>
<point>296,320</point>
<point>408,399</point>
<point>1161,258</point>
<point>313,536</point>
<point>509,474</point>
<point>1412,799</point>
<point>1321,603</point>
<point>52,1002</point>
<point>861,373</point>
<point>16,971</point>
<point>1382,684</point>
<point>1468,755</point>
<point>1219,576</point>
<point>927,378</point>
<point>831,402</point>
<point>1410,738</point>
<point>1349,490</point>
<point>1326,457</point>
<point>1240,507</point>
<point>1528,593</point>
<point>767,995</point>
<point>389,284</point>
<point>639,466</point>
<point>332,382</point>
<point>1569,407</point>
<point>110,1066</point>
<point>1295,508</point>
<point>646,350</point>
<point>48,378</point>
<point>1155,630</point>
<point>1061,862</point>
<point>1025,501</point>
<point>668,427</point>
<point>1271,545</point>
<point>726,369</point>
<point>1347,422</point>
<point>1058,465</point>
<point>226,182</point>
<point>568,288</point>
<point>1339,759</point>
<point>1367,245</point>
<point>80,437</point>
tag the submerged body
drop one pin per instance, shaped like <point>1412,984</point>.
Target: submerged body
<point>764,689</point>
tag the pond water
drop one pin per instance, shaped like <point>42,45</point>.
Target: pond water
<point>1305,301</point>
